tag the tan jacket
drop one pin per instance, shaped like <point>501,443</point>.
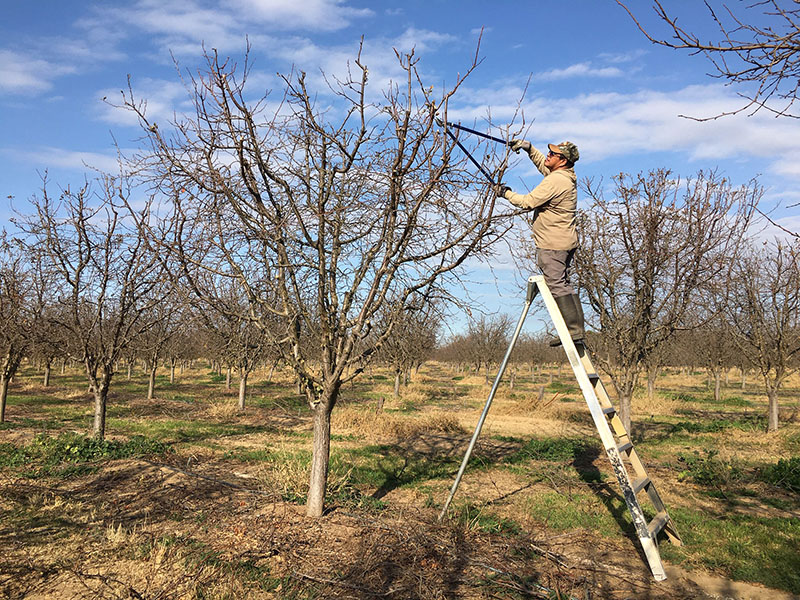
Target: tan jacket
<point>555,201</point>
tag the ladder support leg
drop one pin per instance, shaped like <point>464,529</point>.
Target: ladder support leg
<point>531,294</point>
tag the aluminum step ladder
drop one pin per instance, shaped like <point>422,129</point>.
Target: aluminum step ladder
<point>633,478</point>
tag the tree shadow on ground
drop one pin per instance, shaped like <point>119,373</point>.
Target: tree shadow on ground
<point>431,456</point>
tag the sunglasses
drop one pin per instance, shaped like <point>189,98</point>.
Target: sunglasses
<point>551,153</point>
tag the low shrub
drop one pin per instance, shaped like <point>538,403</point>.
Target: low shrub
<point>708,469</point>
<point>785,474</point>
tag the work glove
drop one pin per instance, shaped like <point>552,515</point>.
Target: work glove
<point>500,190</point>
<point>517,145</point>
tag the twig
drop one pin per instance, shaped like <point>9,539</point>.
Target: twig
<point>297,575</point>
<point>556,558</point>
<point>535,586</point>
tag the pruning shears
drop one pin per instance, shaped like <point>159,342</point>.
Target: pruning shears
<point>446,125</point>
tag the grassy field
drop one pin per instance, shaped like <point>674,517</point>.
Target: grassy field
<point>190,498</point>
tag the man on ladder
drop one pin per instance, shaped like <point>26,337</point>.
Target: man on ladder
<point>554,202</point>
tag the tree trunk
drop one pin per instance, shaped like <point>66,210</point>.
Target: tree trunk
<point>242,387</point>
<point>625,393</point>
<point>151,382</point>
<point>651,383</point>
<point>396,385</point>
<point>172,362</point>
<point>130,369</point>
<point>744,379</point>
<point>100,402</point>
<point>320,460</point>
<point>47,371</point>
<point>772,425</point>
<point>717,385</point>
<point>3,397</point>
<point>228,379</point>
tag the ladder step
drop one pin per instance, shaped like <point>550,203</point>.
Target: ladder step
<point>609,410</point>
<point>625,448</point>
<point>593,377</point>
<point>657,524</point>
<point>640,483</point>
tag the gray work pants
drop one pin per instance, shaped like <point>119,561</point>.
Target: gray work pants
<point>555,265</point>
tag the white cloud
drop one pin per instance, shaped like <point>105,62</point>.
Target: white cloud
<point>50,157</point>
<point>177,26</point>
<point>624,57</point>
<point>787,167</point>
<point>422,40</point>
<point>163,99</point>
<point>606,125</point>
<point>583,69</point>
<point>24,74</point>
<point>315,15</point>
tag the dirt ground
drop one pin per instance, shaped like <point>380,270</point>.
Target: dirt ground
<point>399,552</point>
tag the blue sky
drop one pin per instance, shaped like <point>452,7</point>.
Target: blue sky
<point>594,79</point>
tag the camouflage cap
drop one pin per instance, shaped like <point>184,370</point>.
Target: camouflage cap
<point>566,149</point>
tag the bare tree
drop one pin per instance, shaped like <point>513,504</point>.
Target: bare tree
<point>758,51</point>
<point>235,342</point>
<point>413,340</point>
<point>765,311</point>
<point>163,322</point>
<point>324,214</point>
<point>15,316</point>
<point>646,253</point>
<point>104,277</point>
<point>488,339</point>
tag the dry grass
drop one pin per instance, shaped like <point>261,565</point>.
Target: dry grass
<point>222,408</point>
<point>373,425</point>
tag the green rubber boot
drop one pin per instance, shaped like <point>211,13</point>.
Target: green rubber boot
<point>572,311</point>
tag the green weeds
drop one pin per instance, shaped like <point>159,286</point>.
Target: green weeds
<point>67,454</point>
<point>184,430</point>
<point>476,517</point>
<point>553,449</point>
<point>580,510</point>
<point>785,474</point>
<point>744,547</point>
<point>749,423</point>
<point>710,470</point>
